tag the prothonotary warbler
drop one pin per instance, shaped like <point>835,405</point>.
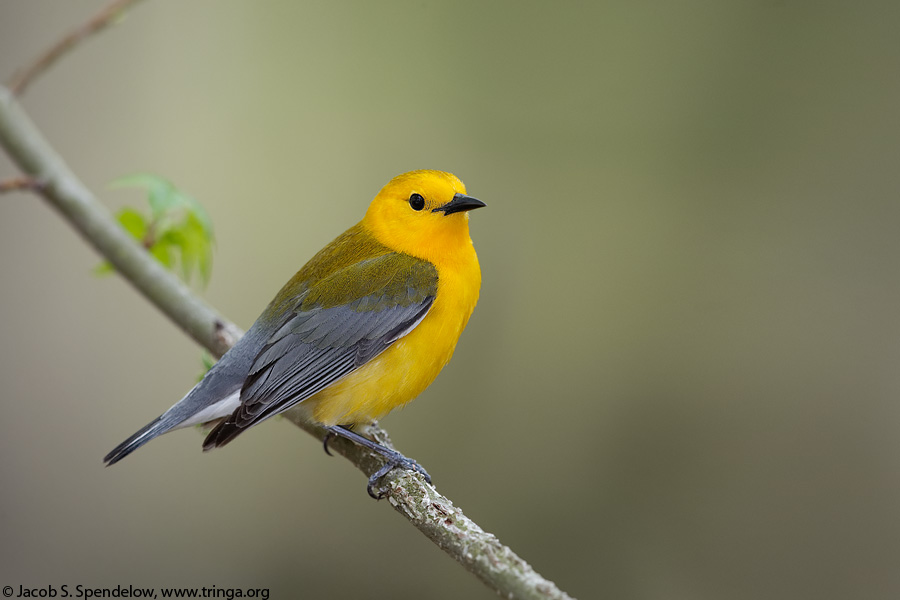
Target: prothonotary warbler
<point>361,329</point>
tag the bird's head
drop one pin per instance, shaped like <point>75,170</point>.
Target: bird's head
<point>424,214</point>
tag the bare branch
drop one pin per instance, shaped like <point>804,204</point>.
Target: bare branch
<point>98,22</point>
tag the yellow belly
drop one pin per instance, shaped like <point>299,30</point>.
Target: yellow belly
<point>404,370</point>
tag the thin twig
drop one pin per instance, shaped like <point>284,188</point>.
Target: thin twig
<point>15,184</point>
<point>98,22</point>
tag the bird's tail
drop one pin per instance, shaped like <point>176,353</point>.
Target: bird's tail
<point>221,434</point>
<point>151,430</point>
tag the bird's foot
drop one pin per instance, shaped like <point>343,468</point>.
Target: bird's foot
<point>393,459</point>
<point>330,434</point>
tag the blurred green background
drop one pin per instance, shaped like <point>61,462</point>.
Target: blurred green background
<point>681,379</point>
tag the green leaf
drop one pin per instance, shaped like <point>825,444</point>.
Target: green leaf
<point>208,361</point>
<point>103,269</point>
<point>134,223</point>
<point>161,194</point>
<point>193,247</point>
<point>163,252</point>
<point>179,231</point>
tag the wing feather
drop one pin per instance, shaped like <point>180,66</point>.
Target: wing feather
<point>321,340</point>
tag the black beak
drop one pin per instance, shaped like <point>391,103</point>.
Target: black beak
<point>459,203</point>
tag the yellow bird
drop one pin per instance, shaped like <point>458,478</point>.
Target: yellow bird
<point>363,328</point>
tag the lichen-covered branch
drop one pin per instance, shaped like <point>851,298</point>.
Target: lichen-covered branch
<point>480,552</point>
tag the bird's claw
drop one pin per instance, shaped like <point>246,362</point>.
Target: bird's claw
<point>328,435</point>
<point>393,459</point>
<point>393,462</point>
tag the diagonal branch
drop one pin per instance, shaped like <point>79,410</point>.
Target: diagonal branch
<point>433,514</point>
<point>98,22</point>
<point>66,193</point>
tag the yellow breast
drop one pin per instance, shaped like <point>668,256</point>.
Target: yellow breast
<point>404,370</point>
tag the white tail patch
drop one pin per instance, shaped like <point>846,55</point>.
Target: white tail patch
<point>222,408</point>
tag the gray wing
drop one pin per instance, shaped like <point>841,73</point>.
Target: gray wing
<point>315,347</point>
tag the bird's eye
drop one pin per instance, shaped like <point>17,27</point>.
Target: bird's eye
<point>417,202</point>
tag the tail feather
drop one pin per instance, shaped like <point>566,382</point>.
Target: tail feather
<point>191,410</point>
<point>142,436</point>
<point>221,434</point>
<point>216,396</point>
